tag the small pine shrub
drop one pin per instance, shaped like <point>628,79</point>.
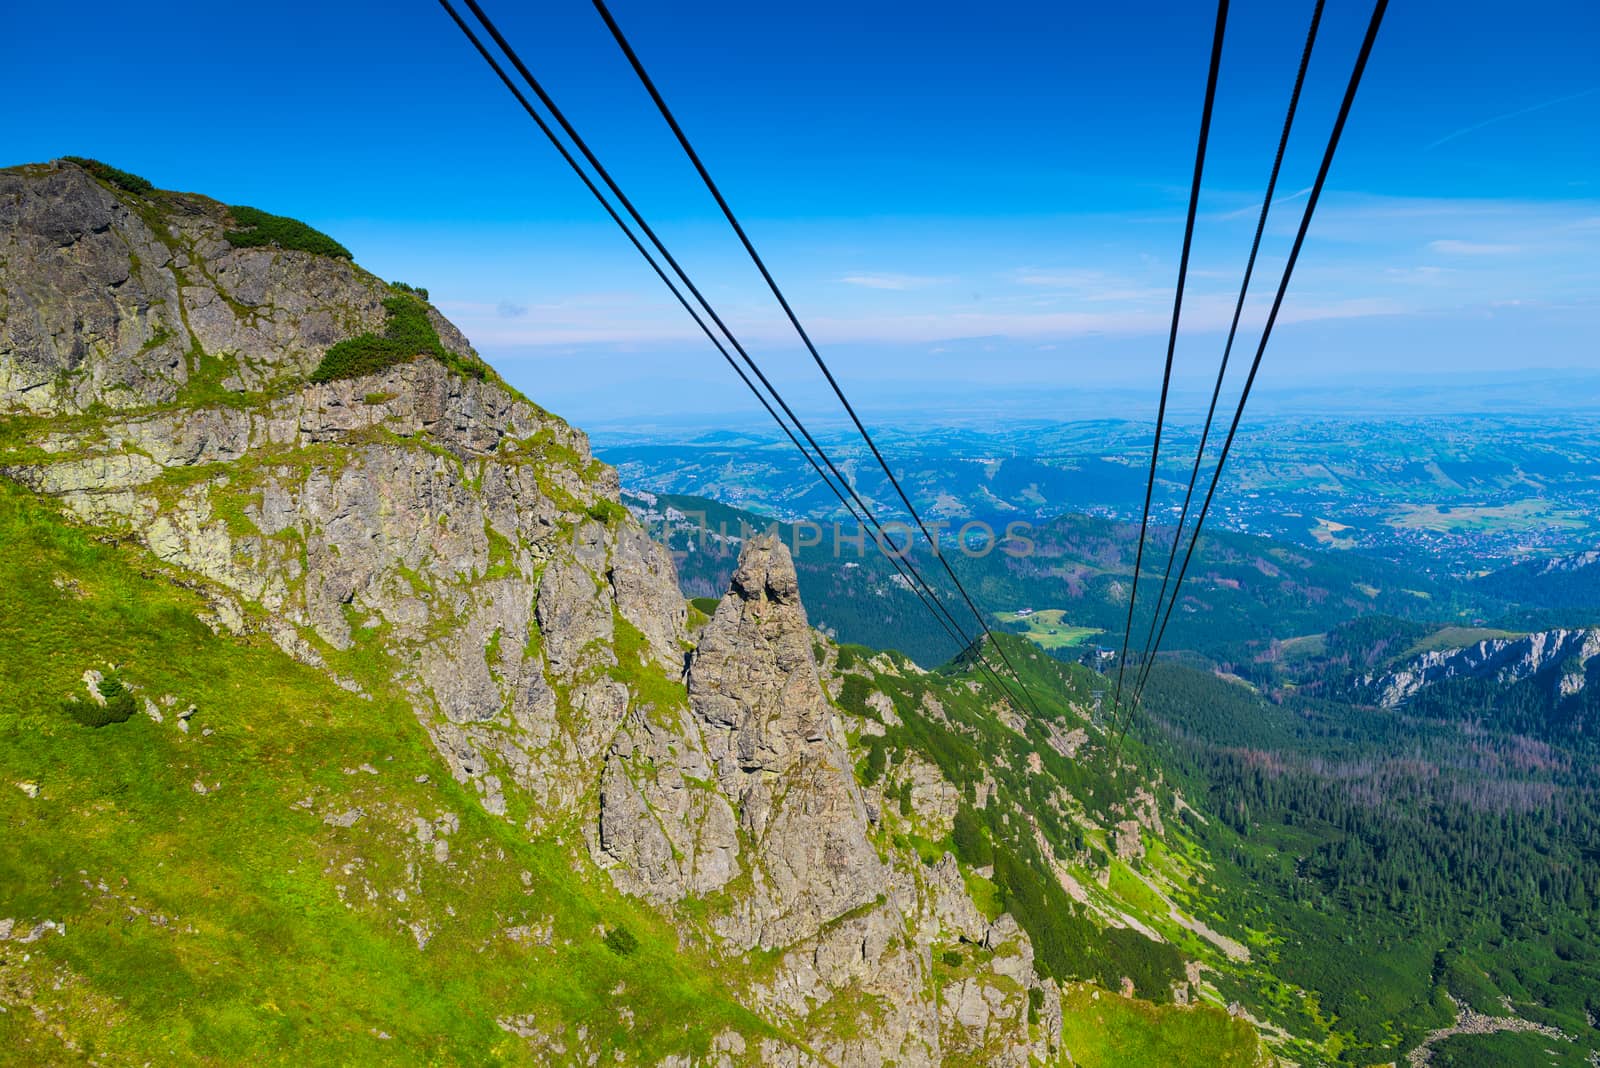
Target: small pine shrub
<point>876,758</point>
<point>621,941</point>
<point>853,696</point>
<point>132,183</point>
<point>407,288</point>
<point>608,512</point>
<point>357,356</point>
<point>259,228</point>
<point>119,706</point>
<point>951,958</point>
<point>967,837</point>
<point>408,335</point>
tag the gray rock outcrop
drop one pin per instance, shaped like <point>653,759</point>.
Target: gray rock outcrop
<point>1504,661</point>
<point>437,537</point>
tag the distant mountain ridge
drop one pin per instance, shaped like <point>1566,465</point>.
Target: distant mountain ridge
<point>1570,581</point>
<point>1563,656</point>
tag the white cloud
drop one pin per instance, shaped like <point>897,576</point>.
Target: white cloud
<point>1254,210</point>
<point>1089,285</point>
<point>894,281</point>
<point>1370,257</point>
<point>1472,248</point>
<point>1530,109</point>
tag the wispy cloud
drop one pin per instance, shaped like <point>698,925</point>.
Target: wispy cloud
<point>1089,286</point>
<point>1254,210</point>
<point>1372,257</point>
<point>894,281</point>
<point>1530,109</point>
<point>1060,279</point>
<point>1472,248</point>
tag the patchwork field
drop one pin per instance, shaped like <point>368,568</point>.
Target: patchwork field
<point>1048,629</point>
<point>1464,519</point>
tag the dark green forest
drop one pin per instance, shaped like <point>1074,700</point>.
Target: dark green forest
<point>1403,857</point>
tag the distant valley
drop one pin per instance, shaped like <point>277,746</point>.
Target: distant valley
<point>1457,495</point>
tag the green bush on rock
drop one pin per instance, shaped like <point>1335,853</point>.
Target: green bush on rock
<point>132,183</point>
<point>621,941</point>
<point>118,707</point>
<point>408,335</point>
<point>259,228</point>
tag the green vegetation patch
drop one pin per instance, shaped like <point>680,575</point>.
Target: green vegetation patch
<point>621,941</point>
<point>407,335</point>
<point>116,705</point>
<point>606,511</point>
<point>123,180</point>
<point>1507,1047</point>
<point>1447,638</point>
<point>254,890</point>
<point>260,228</point>
<point>1105,1030</point>
<point>406,287</point>
<point>1048,629</point>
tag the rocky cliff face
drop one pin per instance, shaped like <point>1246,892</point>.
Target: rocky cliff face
<point>155,380</point>
<point>1562,655</point>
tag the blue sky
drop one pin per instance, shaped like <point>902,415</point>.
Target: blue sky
<point>956,198</point>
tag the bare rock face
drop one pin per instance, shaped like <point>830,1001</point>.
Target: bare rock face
<point>744,797</point>
<point>952,910</point>
<point>664,830</point>
<point>778,754</point>
<point>749,777</point>
<point>434,517</point>
<point>84,292</point>
<point>1503,660</point>
<point>104,300</point>
<point>456,534</point>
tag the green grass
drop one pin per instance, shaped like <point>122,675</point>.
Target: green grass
<point>1524,1049</point>
<point>1134,892</point>
<point>235,925</point>
<point>1525,514</point>
<point>1457,638</point>
<point>1104,1030</point>
<point>984,894</point>
<point>1047,628</point>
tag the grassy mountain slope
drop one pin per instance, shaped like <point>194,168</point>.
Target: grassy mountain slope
<point>1097,866</point>
<point>296,877</point>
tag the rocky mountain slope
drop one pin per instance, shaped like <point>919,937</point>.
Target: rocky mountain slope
<point>470,721</point>
<point>1561,657</point>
